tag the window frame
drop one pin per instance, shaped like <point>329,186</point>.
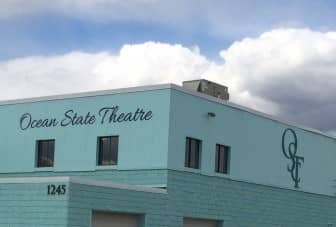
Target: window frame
<point>222,168</point>
<point>188,162</point>
<point>100,153</point>
<point>40,153</point>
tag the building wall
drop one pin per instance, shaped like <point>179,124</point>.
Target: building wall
<point>85,198</point>
<point>255,141</point>
<point>258,190</point>
<point>256,145</point>
<point>142,144</point>
<point>241,204</point>
<point>189,195</point>
<point>28,205</point>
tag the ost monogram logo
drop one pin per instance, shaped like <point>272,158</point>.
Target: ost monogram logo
<point>289,150</point>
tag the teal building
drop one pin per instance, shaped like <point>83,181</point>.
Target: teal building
<point>160,156</point>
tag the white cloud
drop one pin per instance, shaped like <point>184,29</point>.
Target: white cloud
<point>293,69</point>
<point>287,72</point>
<point>147,63</point>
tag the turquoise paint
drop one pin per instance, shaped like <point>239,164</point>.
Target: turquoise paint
<point>150,205</point>
<point>159,143</point>
<point>28,205</point>
<point>152,153</point>
<point>194,195</point>
<point>241,204</point>
<point>255,141</point>
<point>142,144</point>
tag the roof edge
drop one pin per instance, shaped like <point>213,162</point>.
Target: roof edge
<point>75,180</point>
<point>250,110</point>
<point>87,94</point>
<point>160,87</point>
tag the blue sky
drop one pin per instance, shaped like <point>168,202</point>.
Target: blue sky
<point>35,28</point>
<point>34,37</point>
<point>276,56</point>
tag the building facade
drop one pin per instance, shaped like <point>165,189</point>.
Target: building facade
<point>160,156</point>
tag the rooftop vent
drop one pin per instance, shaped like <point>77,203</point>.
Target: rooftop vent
<point>207,87</point>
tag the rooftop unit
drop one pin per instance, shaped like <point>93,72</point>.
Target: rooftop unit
<point>208,87</point>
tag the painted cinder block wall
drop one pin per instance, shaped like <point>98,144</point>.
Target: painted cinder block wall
<point>193,195</point>
<point>255,141</point>
<point>242,204</point>
<point>158,144</point>
<point>143,144</point>
<point>28,205</point>
<point>151,207</point>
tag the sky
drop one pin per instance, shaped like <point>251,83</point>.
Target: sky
<point>276,56</point>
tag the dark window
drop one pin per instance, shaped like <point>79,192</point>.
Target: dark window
<point>192,153</point>
<point>108,150</point>
<point>222,158</point>
<point>45,153</point>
